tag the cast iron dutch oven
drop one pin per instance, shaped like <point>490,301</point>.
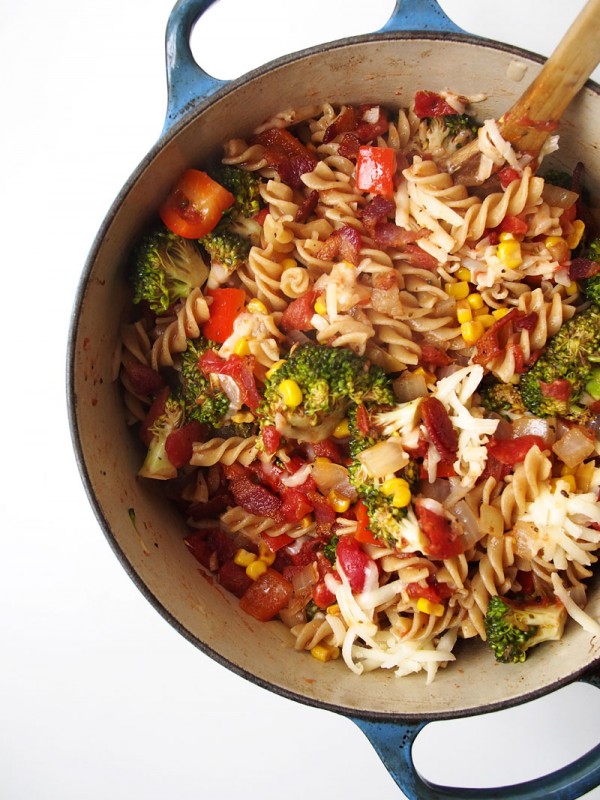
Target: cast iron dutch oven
<point>419,47</point>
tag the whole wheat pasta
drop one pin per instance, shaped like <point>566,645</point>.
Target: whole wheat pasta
<point>347,407</point>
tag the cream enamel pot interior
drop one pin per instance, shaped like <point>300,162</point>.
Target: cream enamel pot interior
<point>418,47</point>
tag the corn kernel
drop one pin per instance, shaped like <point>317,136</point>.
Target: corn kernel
<point>459,290</point>
<point>574,238</point>
<point>256,306</point>
<point>289,263</point>
<point>571,482</point>
<point>564,470</point>
<point>291,393</point>
<point>509,253</point>
<point>487,320</point>
<point>429,376</point>
<point>506,236</point>
<point>334,610</point>
<point>241,347</point>
<point>338,501</point>
<point>428,607</point>
<point>553,241</point>
<point>498,313</point>
<point>322,460</point>
<point>471,332</point>
<point>243,416</point>
<point>274,368</point>
<point>243,558</point>
<point>584,475</point>
<point>265,553</point>
<point>342,429</point>
<point>475,301</point>
<point>464,312</point>
<point>463,274</point>
<point>572,288</point>
<point>402,497</point>
<point>320,307</point>
<point>256,569</point>
<point>392,485</point>
<point>325,652</point>
<point>306,521</point>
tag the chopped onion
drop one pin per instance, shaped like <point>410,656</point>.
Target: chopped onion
<point>304,579</point>
<point>574,447</point>
<point>298,477</point>
<point>558,197</point>
<point>409,386</point>
<point>533,426</point>
<point>384,458</point>
<point>332,477</point>
<point>471,531</point>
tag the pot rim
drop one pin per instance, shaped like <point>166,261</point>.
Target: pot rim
<point>189,116</point>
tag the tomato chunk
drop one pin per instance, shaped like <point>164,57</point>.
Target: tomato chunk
<point>375,170</point>
<point>443,542</point>
<point>180,442</point>
<point>431,104</point>
<point>353,561</point>
<point>195,205</point>
<point>363,533</point>
<point>513,451</point>
<point>265,598</point>
<point>225,308</point>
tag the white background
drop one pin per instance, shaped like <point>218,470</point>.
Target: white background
<point>99,696</point>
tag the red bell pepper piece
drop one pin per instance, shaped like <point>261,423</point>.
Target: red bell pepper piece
<point>224,309</point>
<point>375,170</point>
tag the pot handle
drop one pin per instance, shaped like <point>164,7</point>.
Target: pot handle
<point>393,743</point>
<point>420,15</point>
<point>188,84</point>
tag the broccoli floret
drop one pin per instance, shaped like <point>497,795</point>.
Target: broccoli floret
<point>330,547</point>
<point>591,286</point>
<point>447,133</point>
<point>329,380</point>
<point>165,268</point>
<point>385,518</point>
<point>201,401</point>
<point>244,186</point>
<point>512,628</point>
<point>243,430</point>
<point>225,246</point>
<point>569,355</point>
<point>502,397</point>
<point>558,177</point>
<point>156,464</point>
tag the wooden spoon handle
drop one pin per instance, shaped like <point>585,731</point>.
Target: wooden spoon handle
<point>539,109</point>
<point>537,113</point>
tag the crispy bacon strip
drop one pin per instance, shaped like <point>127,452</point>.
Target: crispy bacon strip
<point>488,346</point>
<point>439,428</point>
<point>344,243</point>
<point>286,154</point>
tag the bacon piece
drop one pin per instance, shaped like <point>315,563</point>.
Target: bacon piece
<point>298,315</point>
<point>307,206</point>
<point>240,368</point>
<point>143,379</point>
<point>343,123</point>
<point>286,154</point>
<point>362,420</point>
<point>441,432</point>
<point>367,131</point>
<point>433,355</point>
<point>254,498</point>
<point>377,211</point>
<point>388,234</point>
<point>348,147</point>
<point>582,268</point>
<point>344,243</point>
<point>527,322</point>
<point>488,346</point>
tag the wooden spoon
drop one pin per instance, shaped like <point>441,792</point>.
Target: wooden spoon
<point>537,113</point>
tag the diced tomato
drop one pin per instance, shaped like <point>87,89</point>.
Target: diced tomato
<point>343,123</point>
<point>513,451</point>
<point>225,308</point>
<point>266,596</point>
<point>271,438</point>
<point>328,449</point>
<point>237,367</point>
<point>433,591</point>
<point>353,561</point>
<point>434,355</point>
<point>275,543</point>
<point>299,313</point>
<point>154,412</point>
<point>526,581</point>
<point>367,130</point>
<point>143,379</point>
<point>211,509</point>
<point>443,542</point>
<point>512,224</point>
<point>261,216</point>
<point>195,205</point>
<point>233,578</point>
<point>375,170</point>
<point>363,533</point>
<point>295,505</point>
<point>178,445</point>
<point>507,175</point>
<point>362,420</point>
<point>199,548</point>
<point>322,596</point>
<point>208,541</point>
<point>431,104</point>
<point>444,469</point>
